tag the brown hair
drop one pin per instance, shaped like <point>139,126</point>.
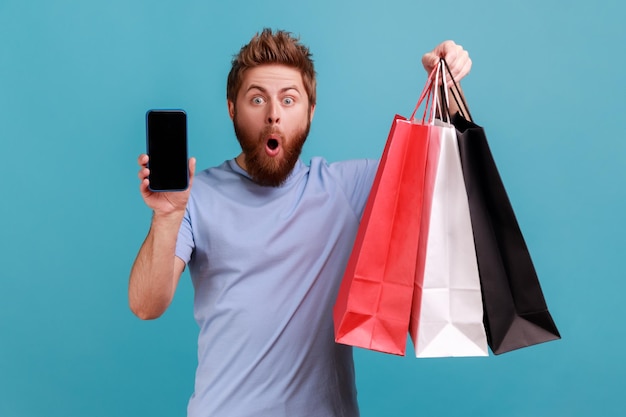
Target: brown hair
<point>267,47</point>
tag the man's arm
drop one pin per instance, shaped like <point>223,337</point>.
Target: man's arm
<point>156,270</point>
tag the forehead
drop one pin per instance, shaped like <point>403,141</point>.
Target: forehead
<point>272,77</point>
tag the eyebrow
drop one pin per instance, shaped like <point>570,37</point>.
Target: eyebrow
<point>282,90</point>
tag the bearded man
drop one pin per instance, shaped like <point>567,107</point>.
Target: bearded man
<point>266,238</point>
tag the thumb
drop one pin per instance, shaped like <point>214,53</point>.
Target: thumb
<point>192,170</point>
<point>192,166</point>
<point>430,61</point>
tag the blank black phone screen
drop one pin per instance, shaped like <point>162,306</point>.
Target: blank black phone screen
<point>167,149</point>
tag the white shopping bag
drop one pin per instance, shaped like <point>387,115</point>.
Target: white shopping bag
<point>447,313</point>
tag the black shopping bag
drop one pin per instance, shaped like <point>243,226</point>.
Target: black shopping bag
<point>515,311</point>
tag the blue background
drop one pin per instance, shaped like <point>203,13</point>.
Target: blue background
<point>76,78</point>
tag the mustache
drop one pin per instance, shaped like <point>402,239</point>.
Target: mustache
<point>271,131</point>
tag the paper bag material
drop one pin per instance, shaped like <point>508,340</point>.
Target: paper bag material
<point>516,314</point>
<point>373,305</point>
<point>447,313</point>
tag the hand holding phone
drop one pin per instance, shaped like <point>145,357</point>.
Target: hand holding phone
<point>166,143</point>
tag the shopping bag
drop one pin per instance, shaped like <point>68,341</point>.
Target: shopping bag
<point>516,314</point>
<point>373,305</point>
<point>447,313</point>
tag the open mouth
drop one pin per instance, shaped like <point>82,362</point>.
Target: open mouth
<point>272,144</point>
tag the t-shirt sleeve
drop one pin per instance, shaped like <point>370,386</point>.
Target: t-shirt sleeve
<point>356,178</point>
<point>185,243</point>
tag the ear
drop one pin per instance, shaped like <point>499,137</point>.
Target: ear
<point>231,109</point>
<point>312,112</point>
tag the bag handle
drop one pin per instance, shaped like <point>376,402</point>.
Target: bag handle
<point>455,91</point>
<point>427,94</point>
<point>442,104</point>
<point>438,93</point>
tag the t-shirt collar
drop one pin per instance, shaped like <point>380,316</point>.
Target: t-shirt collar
<point>298,167</point>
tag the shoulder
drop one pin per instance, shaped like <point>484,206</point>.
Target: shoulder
<point>348,170</point>
<point>217,175</point>
<point>354,177</point>
<point>341,168</point>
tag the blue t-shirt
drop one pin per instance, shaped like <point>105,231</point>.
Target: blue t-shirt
<point>266,264</point>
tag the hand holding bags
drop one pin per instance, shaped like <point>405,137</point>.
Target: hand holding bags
<point>427,261</point>
<point>373,307</point>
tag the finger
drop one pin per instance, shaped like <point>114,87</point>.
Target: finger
<point>429,61</point>
<point>467,67</point>
<point>461,65</point>
<point>144,186</point>
<point>447,50</point>
<point>192,166</point>
<point>143,173</point>
<point>462,69</point>
<point>143,160</point>
<point>192,170</point>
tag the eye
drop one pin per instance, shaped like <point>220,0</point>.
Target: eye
<point>288,101</point>
<point>258,100</point>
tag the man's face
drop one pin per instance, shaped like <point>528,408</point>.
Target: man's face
<point>271,117</point>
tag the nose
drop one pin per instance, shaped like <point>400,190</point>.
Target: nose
<point>273,113</point>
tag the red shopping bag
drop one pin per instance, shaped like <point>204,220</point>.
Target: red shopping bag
<point>373,306</point>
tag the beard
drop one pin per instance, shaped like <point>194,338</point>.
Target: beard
<point>265,170</point>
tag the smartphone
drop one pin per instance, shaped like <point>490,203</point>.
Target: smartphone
<point>166,137</point>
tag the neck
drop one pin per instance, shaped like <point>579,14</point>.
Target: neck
<point>241,161</point>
